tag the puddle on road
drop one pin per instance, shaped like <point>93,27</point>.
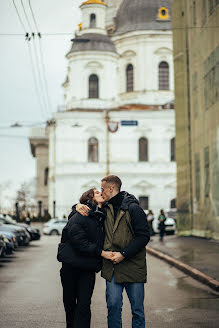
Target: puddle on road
<point>198,298</point>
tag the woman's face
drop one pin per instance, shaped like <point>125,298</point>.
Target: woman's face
<point>97,197</point>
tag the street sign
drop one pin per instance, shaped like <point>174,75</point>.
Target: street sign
<point>129,123</point>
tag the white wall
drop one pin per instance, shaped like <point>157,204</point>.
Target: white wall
<point>73,174</point>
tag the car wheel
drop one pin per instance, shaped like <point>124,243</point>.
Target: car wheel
<point>54,233</point>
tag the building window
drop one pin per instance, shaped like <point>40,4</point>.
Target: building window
<point>92,21</point>
<point>173,203</point>
<point>197,177</point>
<point>46,174</point>
<point>163,76</point>
<point>210,6</point>
<point>143,202</point>
<point>204,15</point>
<point>92,150</point>
<point>172,150</point>
<point>207,167</point>
<point>194,12</point>
<point>129,78</point>
<point>163,13</point>
<point>93,86</point>
<point>143,149</point>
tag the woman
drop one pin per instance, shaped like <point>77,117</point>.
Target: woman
<point>150,219</point>
<point>85,235</point>
<point>161,219</point>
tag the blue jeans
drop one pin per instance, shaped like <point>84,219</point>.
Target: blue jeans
<point>114,299</point>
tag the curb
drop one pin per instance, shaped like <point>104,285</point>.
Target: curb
<point>196,274</point>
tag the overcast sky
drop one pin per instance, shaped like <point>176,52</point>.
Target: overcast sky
<point>19,100</point>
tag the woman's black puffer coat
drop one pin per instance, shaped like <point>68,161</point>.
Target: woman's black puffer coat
<point>86,236</point>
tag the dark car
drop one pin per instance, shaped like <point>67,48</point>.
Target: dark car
<point>2,246</point>
<point>22,237</point>
<point>33,232</point>
<point>12,243</point>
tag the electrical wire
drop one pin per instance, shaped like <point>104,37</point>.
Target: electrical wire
<point>19,17</point>
<point>36,70</point>
<point>41,57</point>
<point>25,14</point>
<point>31,9</point>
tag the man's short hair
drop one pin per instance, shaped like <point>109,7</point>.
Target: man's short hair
<point>113,179</point>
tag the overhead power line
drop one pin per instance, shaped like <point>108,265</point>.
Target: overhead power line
<point>19,17</point>
<point>36,59</point>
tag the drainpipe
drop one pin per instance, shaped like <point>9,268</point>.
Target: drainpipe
<point>189,128</point>
<point>107,143</point>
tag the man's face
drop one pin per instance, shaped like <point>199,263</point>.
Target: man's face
<point>106,190</point>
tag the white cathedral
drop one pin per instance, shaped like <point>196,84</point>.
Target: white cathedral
<point>119,109</point>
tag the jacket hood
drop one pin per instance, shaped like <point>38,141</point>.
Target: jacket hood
<point>127,200</point>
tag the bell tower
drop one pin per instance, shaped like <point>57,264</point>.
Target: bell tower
<point>93,17</point>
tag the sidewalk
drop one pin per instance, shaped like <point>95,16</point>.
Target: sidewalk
<point>188,254</point>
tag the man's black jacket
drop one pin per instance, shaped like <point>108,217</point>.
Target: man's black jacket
<point>125,201</point>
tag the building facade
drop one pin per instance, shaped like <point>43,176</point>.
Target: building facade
<point>196,65</point>
<point>119,111</point>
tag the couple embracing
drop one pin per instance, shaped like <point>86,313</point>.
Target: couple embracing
<point>106,231</point>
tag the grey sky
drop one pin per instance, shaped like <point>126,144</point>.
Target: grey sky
<point>19,102</point>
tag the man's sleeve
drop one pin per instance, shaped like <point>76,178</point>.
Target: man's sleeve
<point>141,231</point>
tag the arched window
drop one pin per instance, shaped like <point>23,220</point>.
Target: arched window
<point>129,78</point>
<point>143,202</point>
<point>172,150</point>
<point>143,149</point>
<point>93,86</point>
<point>92,21</point>
<point>163,76</point>
<point>92,150</point>
<point>46,174</point>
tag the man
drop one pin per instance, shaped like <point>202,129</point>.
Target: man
<point>127,234</point>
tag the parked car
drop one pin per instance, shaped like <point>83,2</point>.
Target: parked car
<point>54,227</point>
<point>11,239</point>
<point>2,246</point>
<point>22,236</point>
<point>33,232</point>
<point>170,225</point>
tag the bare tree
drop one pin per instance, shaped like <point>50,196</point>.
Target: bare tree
<point>25,197</point>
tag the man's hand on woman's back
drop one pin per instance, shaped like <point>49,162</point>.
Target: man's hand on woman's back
<point>82,209</point>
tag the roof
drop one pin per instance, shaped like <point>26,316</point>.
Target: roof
<point>92,42</point>
<point>143,15</point>
<point>93,2</point>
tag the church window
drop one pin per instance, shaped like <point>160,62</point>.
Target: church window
<point>143,149</point>
<point>163,13</point>
<point>129,78</point>
<point>173,203</point>
<point>143,202</point>
<point>163,76</point>
<point>92,21</point>
<point>172,150</point>
<point>93,86</point>
<point>93,150</point>
<point>46,174</point>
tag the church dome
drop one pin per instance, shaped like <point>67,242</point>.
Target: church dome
<point>92,42</point>
<point>143,15</point>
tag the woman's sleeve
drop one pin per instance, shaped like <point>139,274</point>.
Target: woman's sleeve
<point>78,236</point>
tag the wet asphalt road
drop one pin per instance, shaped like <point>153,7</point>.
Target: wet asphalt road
<point>31,295</point>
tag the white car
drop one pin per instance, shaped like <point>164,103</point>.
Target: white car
<point>170,226</point>
<point>54,227</point>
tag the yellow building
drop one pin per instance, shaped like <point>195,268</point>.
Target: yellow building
<point>196,65</point>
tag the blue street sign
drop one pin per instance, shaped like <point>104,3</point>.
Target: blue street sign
<point>129,123</point>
